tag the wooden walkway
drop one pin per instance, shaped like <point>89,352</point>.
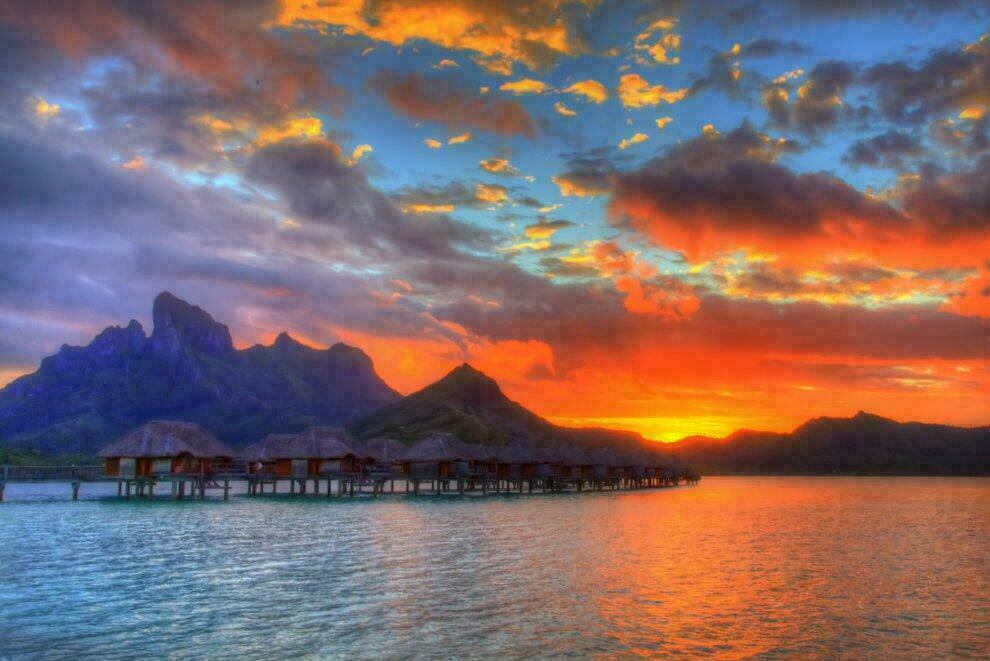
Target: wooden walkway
<point>195,485</point>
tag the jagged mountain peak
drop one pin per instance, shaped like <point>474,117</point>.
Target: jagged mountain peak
<point>83,397</point>
<point>285,341</point>
<point>180,325</point>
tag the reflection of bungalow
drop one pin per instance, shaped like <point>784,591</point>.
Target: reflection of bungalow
<point>438,456</point>
<point>382,455</point>
<point>316,452</point>
<point>162,448</point>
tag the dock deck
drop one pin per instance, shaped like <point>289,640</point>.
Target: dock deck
<point>197,485</point>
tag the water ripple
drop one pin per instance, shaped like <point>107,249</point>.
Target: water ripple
<point>736,568</point>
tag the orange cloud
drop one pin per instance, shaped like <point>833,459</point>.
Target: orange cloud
<point>46,110</point>
<point>491,193</point>
<point>135,164</point>
<point>563,110</point>
<point>634,140</point>
<point>500,33</point>
<point>591,90</point>
<point>524,86</point>
<point>497,166</point>
<point>635,92</point>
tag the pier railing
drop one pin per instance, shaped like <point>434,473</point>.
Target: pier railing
<point>50,473</point>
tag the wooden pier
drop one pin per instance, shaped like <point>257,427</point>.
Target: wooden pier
<point>341,485</point>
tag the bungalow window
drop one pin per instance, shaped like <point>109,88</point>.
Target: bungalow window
<point>128,467</point>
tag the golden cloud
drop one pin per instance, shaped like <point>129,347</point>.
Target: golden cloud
<point>428,208</point>
<point>524,86</point>
<point>433,144</point>
<point>46,110</point>
<point>135,164</point>
<point>563,110</point>
<point>459,139</point>
<point>491,193</point>
<point>635,92</point>
<point>591,90</point>
<point>663,121</point>
<point>497,166</point>
<point>635,140</point>
<point>667,47</point>
<point>501,33</point>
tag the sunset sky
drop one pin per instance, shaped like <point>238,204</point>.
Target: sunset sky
<point>671,217</point>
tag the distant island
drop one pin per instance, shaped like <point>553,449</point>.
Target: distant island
<point>82,398</point>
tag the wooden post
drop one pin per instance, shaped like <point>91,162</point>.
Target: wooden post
<point>127,489</point>
<point>120,488</point>
<point>151,490</point>
<point>226,489</point>
<point>292,486</point>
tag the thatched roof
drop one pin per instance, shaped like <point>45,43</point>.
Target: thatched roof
<point>604,457</point>
<point>480,452</point>
<point>572,457</point>
<point>519,452</point>
<point>167,438</point>
<point>385,450</point>
<point>314,443</point>
<point>438,446</point>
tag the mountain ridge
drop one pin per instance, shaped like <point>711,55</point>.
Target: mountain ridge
<point>84,396</point>
<point>865,443</point>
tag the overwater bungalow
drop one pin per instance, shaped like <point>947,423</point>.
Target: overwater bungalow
<point>605,464</point>
<point>314,453</point>
<point>165,448</point>
<point>520,459</point>
<point>483,460</point>
<point>573,463</point>
<point>438,456</point>
<point>382,456</point>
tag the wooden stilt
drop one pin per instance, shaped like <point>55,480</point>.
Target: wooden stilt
<point>226,489</point>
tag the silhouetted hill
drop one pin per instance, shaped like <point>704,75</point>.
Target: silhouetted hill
<point>472,406</point>
<point>864,444</point>
<point>188,369</point>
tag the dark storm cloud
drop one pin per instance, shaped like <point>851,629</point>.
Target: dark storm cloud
<point>724,71</point>
<point>817,105</point>
<point>84,243</point>
<point>220,44</point>
<point>766,47</point>
<point>449,101</point>
<point>587,174</point>
<point>318,184</point>
<point>952,203</point>
<point>731,183</point>
<point>947,81</point>
<point>887,150</point>
<point>964,138</point>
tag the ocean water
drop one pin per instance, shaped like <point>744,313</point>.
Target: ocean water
<point>733,568</point>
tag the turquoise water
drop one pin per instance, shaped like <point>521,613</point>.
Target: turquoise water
<point>736,567</point>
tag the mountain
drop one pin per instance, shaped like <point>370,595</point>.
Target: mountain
<point>472,406</point>
<point>863,444</point>
<point>83,397</point>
